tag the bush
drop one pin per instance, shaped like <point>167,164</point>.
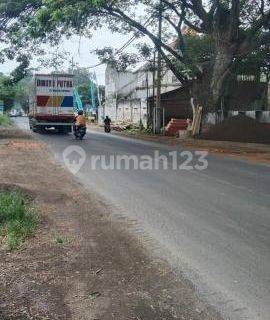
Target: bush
<point>17,219</point>
<point>5,121</point>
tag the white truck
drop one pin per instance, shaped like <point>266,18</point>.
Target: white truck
<point>52,103</point>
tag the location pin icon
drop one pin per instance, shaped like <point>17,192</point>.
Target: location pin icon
<point>74,158</point>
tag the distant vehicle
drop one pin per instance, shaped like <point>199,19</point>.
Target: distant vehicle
<point>52,104</point>
<point>14,113</point>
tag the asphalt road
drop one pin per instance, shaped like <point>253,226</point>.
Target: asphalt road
<point>212,224</point>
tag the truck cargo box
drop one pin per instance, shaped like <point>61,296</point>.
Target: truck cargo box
<point>52,103</point>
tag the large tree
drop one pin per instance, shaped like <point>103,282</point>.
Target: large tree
<point>237,28</point>
<point>10,85</point>
<point>7,91</point>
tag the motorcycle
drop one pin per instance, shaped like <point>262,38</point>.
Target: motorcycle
<point>107,128</point>
<point>79,132</point>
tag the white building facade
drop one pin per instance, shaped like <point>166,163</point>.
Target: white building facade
<point>127,93</point>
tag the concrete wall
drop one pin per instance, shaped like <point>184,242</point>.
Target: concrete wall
<point>126,94</point>
<point>132,111</point>
<point>247,95</point>
<point>262,116</point>
<point>268,97</point>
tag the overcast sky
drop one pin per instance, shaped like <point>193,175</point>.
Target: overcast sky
<point>80,50</point>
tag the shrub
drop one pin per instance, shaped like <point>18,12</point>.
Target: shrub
<point>5,121</point>
<point>17,219</point>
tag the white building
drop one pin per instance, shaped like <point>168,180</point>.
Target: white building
<point>127,93</point>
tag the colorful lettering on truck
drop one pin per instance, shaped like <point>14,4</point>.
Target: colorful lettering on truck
<point>53,103</point>
<point>54,94</point>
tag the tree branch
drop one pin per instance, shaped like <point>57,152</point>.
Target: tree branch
<point>213,7</point>
<point>198,9</point>
<point>167,18</point>
<point>262,7</point>
<point>246,46</point>
<point>178,29</point>
<point>175,26</point>
<point>135,24</point>
<point>173,68</point>
<point>172,6</point>
<point>192,26</point>
<point>261,22</point>
<point>234,20</point>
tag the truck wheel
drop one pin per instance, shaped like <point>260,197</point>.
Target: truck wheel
<point>60,130</point>
<point>63,129</point>
<point>42,129</point>
<point>39,129</point>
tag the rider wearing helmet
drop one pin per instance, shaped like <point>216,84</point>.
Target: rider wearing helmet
<point>80,120</point>
<point>107,121</point>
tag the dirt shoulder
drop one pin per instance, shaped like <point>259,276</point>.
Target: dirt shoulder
<point>259,153</point>
<point>81,264</point>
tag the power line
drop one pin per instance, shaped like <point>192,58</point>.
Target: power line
<point>127,44</point>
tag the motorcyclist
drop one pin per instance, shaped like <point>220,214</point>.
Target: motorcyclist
<point>107,121</point>
<point>107,124</point>
<point>80,120</point>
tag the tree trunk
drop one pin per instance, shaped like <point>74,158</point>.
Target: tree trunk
<point>221,69</point>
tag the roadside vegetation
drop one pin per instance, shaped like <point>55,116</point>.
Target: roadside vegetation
<point>205,44</point>
<point>17,219</point>
<point>138,130</point>
<point>5,121</point>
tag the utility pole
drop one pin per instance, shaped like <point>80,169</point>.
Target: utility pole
<point>153,113</point>
<point>159,66</point>
<point>147,98</point>
<point>72,65</point>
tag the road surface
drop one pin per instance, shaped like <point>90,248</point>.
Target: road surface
<point>213,224</point>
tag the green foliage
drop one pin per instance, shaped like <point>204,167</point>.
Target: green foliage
<point>199,51</point>
<point>8,84</point>
<point>13,89</point>
<point>5,121</point>
<point>84,92</point>
<point>236,31</point>
<point>63,240</point>
<point>23,90</point>
<point>15,15</point>
<point>7,91</point>
<point>17,220</point>
<point>49,20</point>
<point>119,61</point>
<point>257,61</point>
<point>82,78</point>
<point>22,70</point>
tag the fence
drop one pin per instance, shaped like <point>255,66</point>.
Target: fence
<point>261,116</point>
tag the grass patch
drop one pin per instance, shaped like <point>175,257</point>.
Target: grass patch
<point>5,121</point>
<point>17,218</point>
<point>138,130</point>
<point>63,240</point>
